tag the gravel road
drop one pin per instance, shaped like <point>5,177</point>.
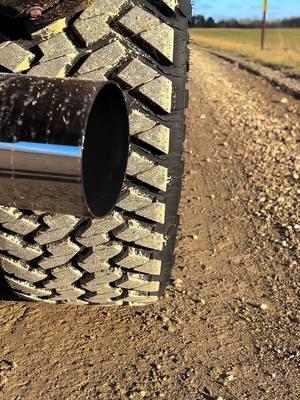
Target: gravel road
<point>228,327</point>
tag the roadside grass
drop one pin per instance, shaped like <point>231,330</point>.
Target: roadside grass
<point>282,46</point>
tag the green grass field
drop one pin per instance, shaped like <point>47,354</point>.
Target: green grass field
<point>282,46</point>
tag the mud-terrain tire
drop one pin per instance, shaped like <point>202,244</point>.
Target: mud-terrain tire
<point>126,257</point>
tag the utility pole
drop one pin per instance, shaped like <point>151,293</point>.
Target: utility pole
<point>263,25</point>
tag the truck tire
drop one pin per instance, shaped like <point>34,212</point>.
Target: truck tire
<point>126,257</point>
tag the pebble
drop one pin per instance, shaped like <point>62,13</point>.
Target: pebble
<point>295,175</point>
<point>227,379</point>
<point>263,306</point>
<point>165,318</point>
<point>230,378</point>
<point>178,282</point>
<point>284,100</point>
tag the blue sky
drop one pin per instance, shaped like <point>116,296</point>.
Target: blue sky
<point>219,9</point>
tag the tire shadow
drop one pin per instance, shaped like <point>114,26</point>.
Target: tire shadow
<point>5,292</point>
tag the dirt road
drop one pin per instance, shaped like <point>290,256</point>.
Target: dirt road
<point>228,327</point>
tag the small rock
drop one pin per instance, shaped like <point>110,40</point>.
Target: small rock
<point>230,378</point>
<point>227,379</point>
<point>284,100</point>
<point>263,306</point>
<point>170,328</point>
<point>295,175</point>
<point>165,318</point>
<point>178,282</point>
<point>5,365</point>
<point>195,237</point>
<point>143,393</point>
<point>203,116</point>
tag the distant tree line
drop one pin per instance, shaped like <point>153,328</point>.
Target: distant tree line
<point>199,21</point>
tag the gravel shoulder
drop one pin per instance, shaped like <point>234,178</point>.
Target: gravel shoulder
<point>286,82</point>
<point>228,327</point>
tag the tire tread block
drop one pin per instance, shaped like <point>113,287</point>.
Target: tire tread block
<point>137,282</point>
<point>133,297</point>
<point>17,247</point>
<point>23,225</point>
<point>14,58</point>
<point>64,276</point>
<point>151,29</point>
<point>21,270</point>
<point>104,59</point>
<point>27,288</point>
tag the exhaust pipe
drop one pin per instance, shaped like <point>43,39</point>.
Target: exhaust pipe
<point>63,144</point>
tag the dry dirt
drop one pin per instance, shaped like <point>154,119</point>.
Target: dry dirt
<point>228,327</point>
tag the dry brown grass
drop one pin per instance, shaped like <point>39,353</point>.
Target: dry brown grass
<point>282,47</point>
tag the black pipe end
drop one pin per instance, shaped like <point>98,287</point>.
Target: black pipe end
<point>105,150</point>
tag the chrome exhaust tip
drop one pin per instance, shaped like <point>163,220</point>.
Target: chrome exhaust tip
<point>63,144</point>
